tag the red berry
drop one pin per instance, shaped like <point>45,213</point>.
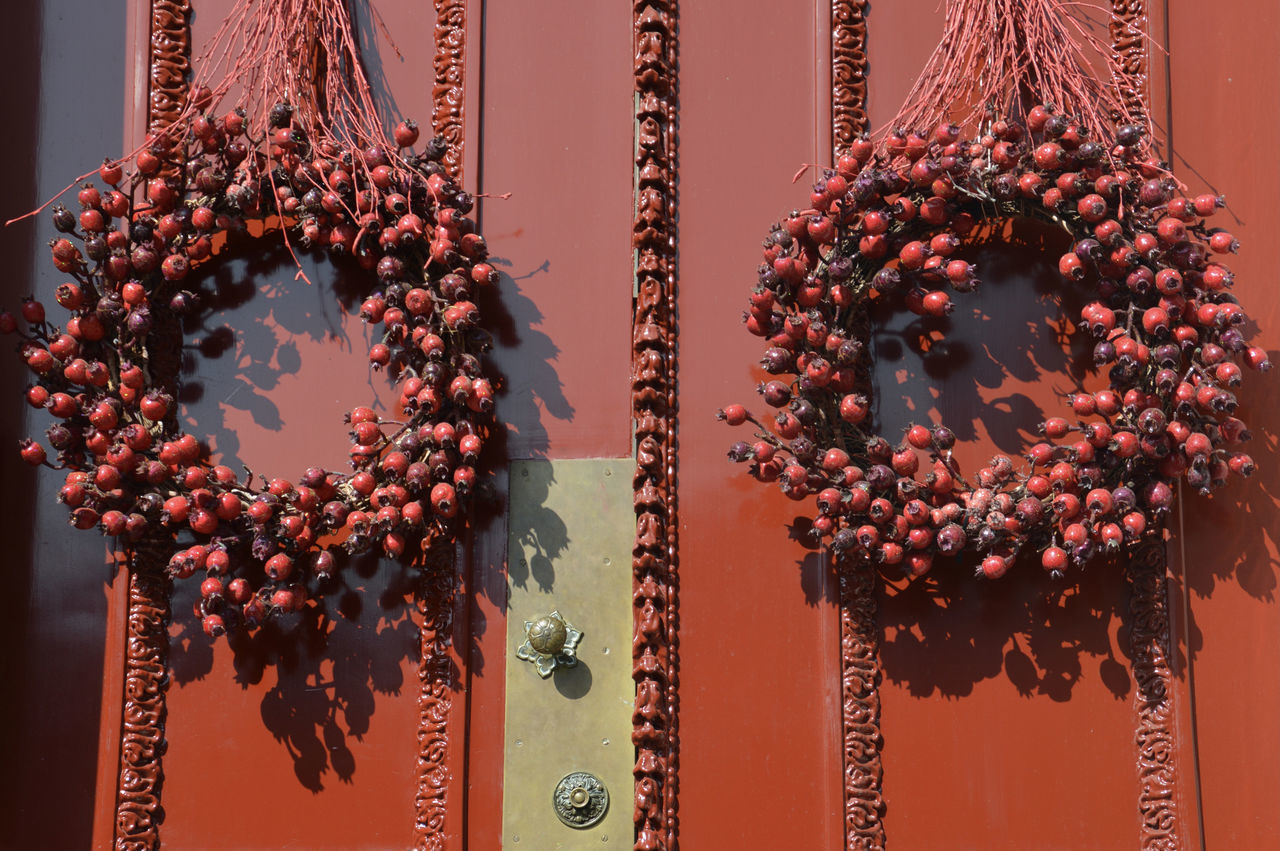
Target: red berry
<point>444,500</point>
<point>31,452</point>
<point>1223,243</point>
<point>1049,156</point>
<point>1054,558</point>
<point>1056,428</point>
<point>1207,204</point>
<point>406,133</point>
<point>175,510</point>
<point>994,566</point>
<point>1071,266</point>
<point>33,311</point>
<point>279,567</point>
<point>733,414</point>
<point>111,173</point>
<point>1092,208</point>
<point>919,436</point>
<point>937,303</point>
<point>1255,357</point>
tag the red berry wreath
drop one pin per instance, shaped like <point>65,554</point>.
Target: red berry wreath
<point>108,378</point>
<point>886,222</point>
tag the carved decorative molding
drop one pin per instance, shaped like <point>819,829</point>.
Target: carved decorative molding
<point>860,701</point>
<point>654,646</point>
<point>848,72</point>
<point>435,699</point>
<point>439,586</point>
<point>1157,744</point>
<point>1146,573</point>
<point>138,810</point>
<point>1129,52</point>
<point>446,93</point>
<point>146,677</point>
<point>170,62</point>
<point>859,657</point>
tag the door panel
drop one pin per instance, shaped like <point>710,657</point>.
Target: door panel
<point>1223,80</point>
<point>561,314</point>
<point>323,712</point>
<point>760,682</point>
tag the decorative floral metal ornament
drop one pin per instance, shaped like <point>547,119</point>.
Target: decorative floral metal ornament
<point>303,159</point>
<point>551,642</point>
<point>885,225</point>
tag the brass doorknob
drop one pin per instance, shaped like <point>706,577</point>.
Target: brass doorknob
<point>550,642</point>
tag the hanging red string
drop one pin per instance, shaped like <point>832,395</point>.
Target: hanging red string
<point>998,57</point>
<point>291,70</point>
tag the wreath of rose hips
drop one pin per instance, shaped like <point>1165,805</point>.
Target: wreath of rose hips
<point>108,375</point>
<point>888,221</point>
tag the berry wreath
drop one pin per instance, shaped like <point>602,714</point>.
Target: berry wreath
<point>887,222</point>
<point>108,379</point>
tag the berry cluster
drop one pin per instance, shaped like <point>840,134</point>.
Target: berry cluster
<point>108,375</point>
<point>887,223</point>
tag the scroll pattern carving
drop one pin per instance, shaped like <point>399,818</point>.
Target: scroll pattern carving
<point>848,72</point>
<point>170,62</point>
<point>436,598</point>
<point>1129,52</point>
<point>435,699</point>
<point>138,811</point>
<point>859,657</point>
<point>860,698</point>
<point>446,92</point>
<point>655,734</point>
<point>1149,630</point>
<point>1149,649</point>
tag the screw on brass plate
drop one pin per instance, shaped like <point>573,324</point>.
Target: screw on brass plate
<point>550,642</point>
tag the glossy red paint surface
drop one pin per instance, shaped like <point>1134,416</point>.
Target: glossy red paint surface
<point>320,717</point>
<point>759,678</point>
<point>1007,707</point>
<point>1224,77</point>
<point>556,133</point>
<point>1001,700</point>
<point>561,313</point>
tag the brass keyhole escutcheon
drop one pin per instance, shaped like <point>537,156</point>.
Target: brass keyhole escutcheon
<point>550,642</point>
<point>580,799</point>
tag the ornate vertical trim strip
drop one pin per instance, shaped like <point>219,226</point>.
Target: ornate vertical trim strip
<point>655,734</point>
<point>138,810</point>
<point>146,677</point>
<point>1157,745</point>
<point>1147,572</point>
<point>170,62</point>
<point>435,699</point>
<point>1129,53</point>
<point>848,72</point>
<point>859,636</point>
<point>446,92</point>
<point>439,584</point>
<point>860,700</point>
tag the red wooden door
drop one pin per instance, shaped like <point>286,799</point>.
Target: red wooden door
<point>646,149</point>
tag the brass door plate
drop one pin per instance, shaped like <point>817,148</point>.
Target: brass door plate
<point>571,525</point>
